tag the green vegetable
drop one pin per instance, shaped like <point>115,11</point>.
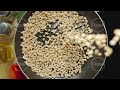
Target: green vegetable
<point>20,14</point>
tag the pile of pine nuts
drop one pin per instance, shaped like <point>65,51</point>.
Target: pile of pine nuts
<point>57,43</point>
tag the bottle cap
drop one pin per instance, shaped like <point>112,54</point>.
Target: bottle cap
<point>5,28</point>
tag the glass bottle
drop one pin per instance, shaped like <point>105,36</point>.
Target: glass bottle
<point>8,24</point>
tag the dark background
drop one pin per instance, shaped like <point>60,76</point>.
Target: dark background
<point>112,65</point>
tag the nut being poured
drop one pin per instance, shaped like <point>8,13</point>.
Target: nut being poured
<point>57,43</point>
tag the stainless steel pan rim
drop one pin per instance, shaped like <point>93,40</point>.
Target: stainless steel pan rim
<point>14,50</point>
<point>107,42</point>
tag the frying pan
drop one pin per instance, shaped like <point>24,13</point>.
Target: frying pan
<point>89,70</point>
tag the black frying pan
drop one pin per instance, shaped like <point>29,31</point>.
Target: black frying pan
<point>89,70</point>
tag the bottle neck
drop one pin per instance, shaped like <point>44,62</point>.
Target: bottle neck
<point>12,16</point>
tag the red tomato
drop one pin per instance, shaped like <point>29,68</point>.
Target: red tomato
<point>15,72</point>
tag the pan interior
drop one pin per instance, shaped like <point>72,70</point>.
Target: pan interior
<point>88,71</point>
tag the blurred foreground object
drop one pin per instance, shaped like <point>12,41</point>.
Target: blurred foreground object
<point>15,72</point>
<point>8,25</point>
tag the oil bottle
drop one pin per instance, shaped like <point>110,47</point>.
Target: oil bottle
<point>8,24</point>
